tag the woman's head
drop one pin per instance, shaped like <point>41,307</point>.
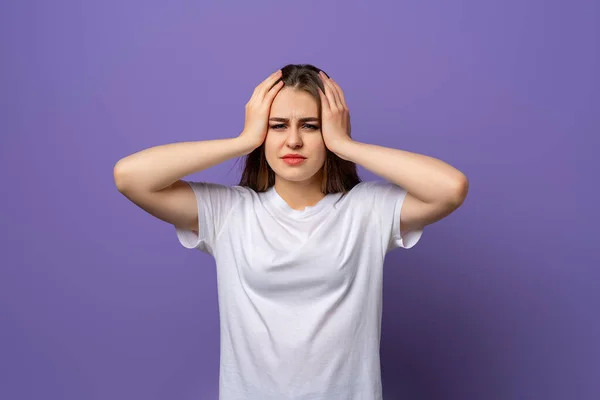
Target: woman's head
<point>295,127</point>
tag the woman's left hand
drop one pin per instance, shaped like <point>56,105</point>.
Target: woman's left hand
<point>335,116</point>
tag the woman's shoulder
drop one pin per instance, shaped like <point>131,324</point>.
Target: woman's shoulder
<point>221,192</point>
<point>366,193</point>
<point>371,186</point>
<point>222,187</point>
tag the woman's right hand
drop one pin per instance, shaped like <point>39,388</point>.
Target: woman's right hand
<point>258,109</point>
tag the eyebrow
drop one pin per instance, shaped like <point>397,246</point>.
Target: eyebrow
<point>306,119</point>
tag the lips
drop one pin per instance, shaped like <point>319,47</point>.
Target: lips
<point>293,159</point>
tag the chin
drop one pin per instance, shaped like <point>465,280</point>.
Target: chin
<point>296,174</point>
<point>301,173</point>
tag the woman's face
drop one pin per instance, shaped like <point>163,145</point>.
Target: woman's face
<point>294,127</point>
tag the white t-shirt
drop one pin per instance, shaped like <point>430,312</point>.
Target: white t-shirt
<point>300,292</point>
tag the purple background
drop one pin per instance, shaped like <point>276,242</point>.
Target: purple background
<point>499,301</point>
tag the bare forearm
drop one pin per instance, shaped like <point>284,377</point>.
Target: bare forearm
<point>428,179</point>
<point>158,167</point>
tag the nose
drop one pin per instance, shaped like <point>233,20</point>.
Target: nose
<point>294,140</point>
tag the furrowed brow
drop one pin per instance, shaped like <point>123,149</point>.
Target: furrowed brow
<point>306,119</point>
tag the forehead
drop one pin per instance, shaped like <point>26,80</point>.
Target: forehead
<point>291,103</point>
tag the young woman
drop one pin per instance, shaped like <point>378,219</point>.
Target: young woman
<point>300,243</point>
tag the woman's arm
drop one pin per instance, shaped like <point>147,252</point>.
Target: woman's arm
<point>158,167</point>
<point>151,178</point>
<point>426,178</point>
<point>435,188</point>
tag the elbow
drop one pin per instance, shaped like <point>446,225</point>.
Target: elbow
<point>459,191</point>
<point>120,176</point>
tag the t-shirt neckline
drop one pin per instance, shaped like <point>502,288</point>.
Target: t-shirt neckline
<point>276,200</point>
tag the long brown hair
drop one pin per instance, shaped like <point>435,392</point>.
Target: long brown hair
<point>338,175</point>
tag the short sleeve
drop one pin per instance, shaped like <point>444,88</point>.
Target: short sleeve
<point>388,201</point>
<point>214,202</point>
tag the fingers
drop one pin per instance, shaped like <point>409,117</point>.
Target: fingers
<point>334,97</point>
<point>262,89</point>
<point>325,106</point>
<point>273,92</point>
<point>340,93</point>
<point>329,92</point>
<point>257,89</point>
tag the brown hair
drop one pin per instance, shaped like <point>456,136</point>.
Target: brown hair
<point>338,175</point>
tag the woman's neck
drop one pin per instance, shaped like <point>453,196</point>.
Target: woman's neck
<point>299,195</point>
